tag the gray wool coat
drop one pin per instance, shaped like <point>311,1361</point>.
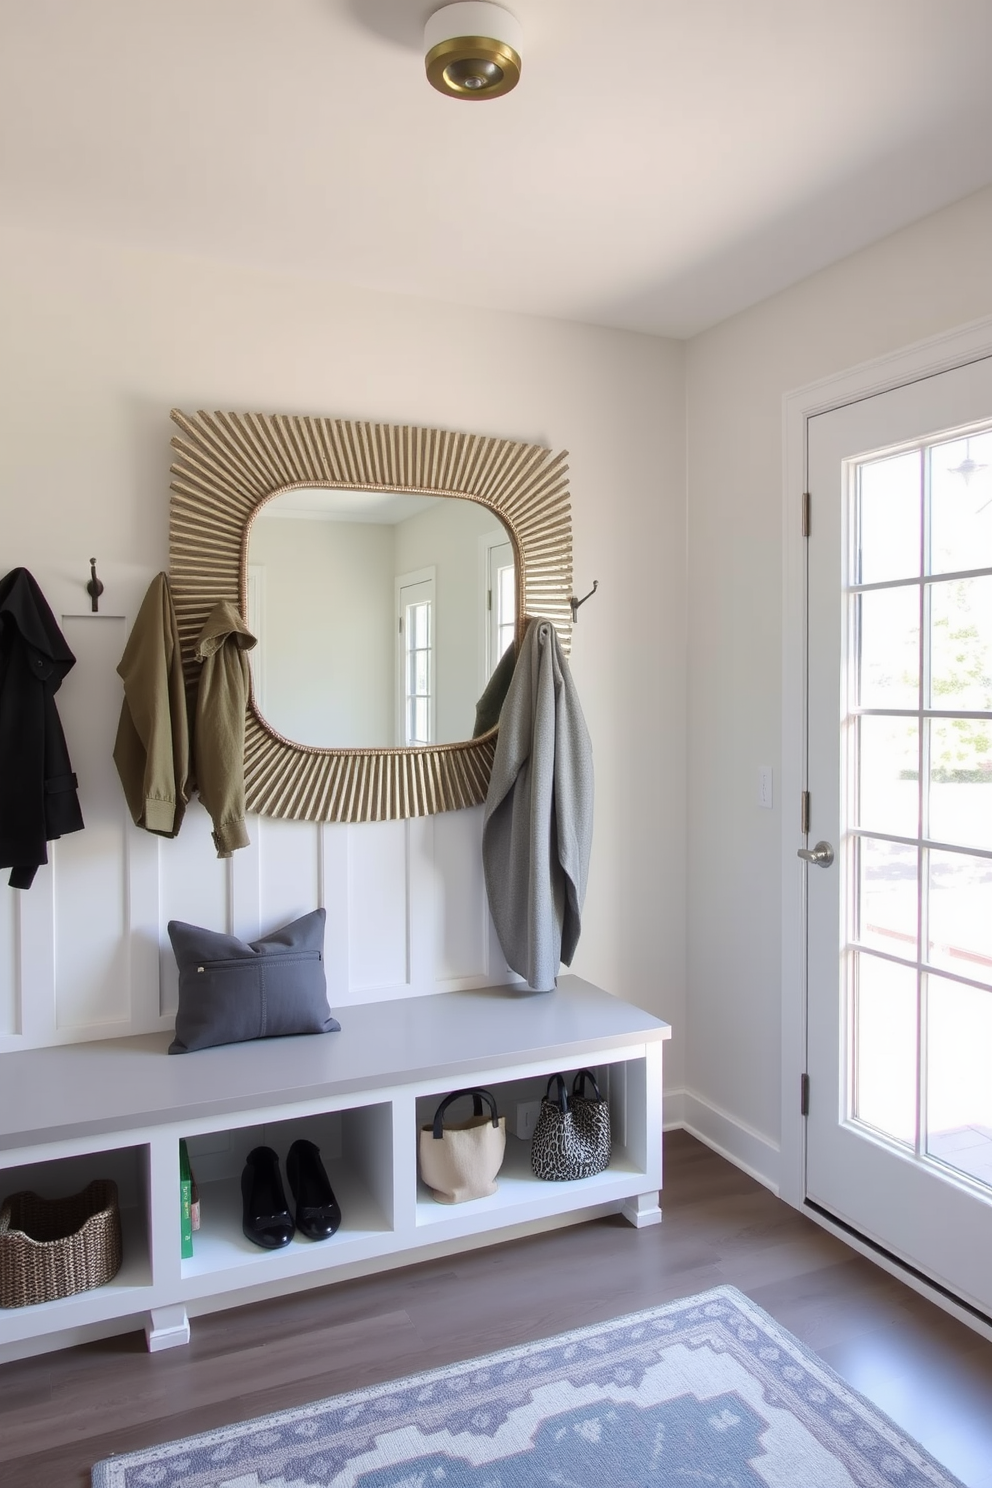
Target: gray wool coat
<point>537,831</point>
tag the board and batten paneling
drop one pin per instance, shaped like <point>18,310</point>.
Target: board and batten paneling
<point>9,1001</point>
<point>85,954</point>
<point>90,920</point>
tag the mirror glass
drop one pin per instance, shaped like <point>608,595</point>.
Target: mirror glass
<point>380,615</point>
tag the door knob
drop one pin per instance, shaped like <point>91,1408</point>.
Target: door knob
<point>822,854</point>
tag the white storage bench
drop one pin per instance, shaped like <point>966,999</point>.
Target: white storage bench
<point>117,1109</point>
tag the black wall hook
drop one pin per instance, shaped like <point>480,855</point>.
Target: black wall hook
<point>94,588</point>
<point>575,603</point>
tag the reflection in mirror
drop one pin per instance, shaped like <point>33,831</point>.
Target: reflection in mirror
<point>380,616</point>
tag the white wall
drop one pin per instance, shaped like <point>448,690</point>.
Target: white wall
<point>932,276</point>
<point>327,636</point>
<point>100,342</point>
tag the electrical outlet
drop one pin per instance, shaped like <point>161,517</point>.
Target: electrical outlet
<point>765,786</point>
<point>525,1119</point>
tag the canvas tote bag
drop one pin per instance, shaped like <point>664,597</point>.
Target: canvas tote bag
<point>460,1161</point>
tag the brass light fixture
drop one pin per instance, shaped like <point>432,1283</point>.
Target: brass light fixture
<point>472,50</point>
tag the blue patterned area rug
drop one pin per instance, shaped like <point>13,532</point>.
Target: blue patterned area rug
<point>707,1392</point>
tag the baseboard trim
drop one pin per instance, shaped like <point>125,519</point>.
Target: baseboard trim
<point>739,1143</point>
<point>673,1110</point>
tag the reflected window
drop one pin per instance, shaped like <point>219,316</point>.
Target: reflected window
<point>416,638</point>
<point>502,602</point>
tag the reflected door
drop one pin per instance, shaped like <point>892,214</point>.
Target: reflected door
<point>415,669</point>
<point>501,599</point>
<point>899,1132</point>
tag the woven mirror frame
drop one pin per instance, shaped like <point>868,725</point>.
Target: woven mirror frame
<point>228,465</point>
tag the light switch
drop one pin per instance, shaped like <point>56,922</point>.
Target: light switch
<point>765,786</point>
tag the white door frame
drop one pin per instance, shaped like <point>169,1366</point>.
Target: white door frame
<point>924,358</point>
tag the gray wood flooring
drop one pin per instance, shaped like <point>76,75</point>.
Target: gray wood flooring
<point>61,1412</point>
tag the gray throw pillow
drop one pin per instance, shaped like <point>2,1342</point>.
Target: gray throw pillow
<point>230,991</point>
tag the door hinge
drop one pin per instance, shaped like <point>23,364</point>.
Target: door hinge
<point>804,813</point>
<point>489,599</point>
<point>806,513</point>
<point>804,1095</point>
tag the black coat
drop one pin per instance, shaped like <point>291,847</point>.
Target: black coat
<point>38,800</point>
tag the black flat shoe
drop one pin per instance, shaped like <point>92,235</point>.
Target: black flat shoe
<point>266,1219</point>
<point>318,1212</point>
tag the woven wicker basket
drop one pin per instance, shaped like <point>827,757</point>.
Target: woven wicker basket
<point>51,1248</point>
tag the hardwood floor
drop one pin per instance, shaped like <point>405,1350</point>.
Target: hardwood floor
<point>60,1413</point>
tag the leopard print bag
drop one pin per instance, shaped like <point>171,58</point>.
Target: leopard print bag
<point>572,1136</point>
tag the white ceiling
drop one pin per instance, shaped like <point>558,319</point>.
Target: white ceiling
<point>662,164</point>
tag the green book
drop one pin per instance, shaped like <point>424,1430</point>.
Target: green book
<point>185,1201</point>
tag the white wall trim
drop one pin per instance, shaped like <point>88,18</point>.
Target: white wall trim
<point>749,1150</point>
<point>936,354</point>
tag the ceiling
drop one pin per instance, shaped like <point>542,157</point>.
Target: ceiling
<point>663,163</point>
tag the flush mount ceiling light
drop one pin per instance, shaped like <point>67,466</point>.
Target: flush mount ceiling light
<point>473,50</point>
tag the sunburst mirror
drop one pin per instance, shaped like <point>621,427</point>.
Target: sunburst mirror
<point>384,568</point>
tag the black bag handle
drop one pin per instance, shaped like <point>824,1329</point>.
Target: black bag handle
<point>478,1096</point>
<point>560,1097</point>
<point>578,1084</point>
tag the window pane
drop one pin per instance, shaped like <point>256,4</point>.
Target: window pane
<point>961,914</point>
<point>889,648</point>
<point>888,777</point>
<point>961,781</point>
<point>506,596</point>
<point>888,900</point>
<point>421,678</point>
<point>889,518</point>
<point>961,642</point>
<point>959,1090</point>
<point>420,713</point>
<point>418,617</point>
<point>885,1047</point>
<point>961,504</point>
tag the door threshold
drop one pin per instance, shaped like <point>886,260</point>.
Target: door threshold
<point>932,1290</point>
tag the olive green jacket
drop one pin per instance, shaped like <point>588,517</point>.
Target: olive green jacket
<point>219,724</point>
<point>152,751</point>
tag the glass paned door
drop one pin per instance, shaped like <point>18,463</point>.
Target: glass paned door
<point>919,717</point>
<point>899,928</point>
